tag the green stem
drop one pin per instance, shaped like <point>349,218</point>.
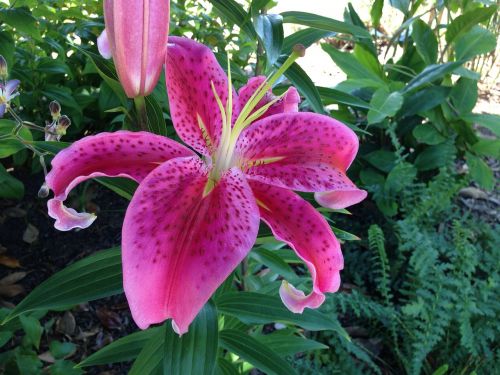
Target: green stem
<point>142,114</point>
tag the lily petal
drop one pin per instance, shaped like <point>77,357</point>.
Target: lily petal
<point>296,222</point>
<point>299,151</point>
<point>119,154</point>
<point>288,103</point>
<point>103,45</point>
<point>179,244</point>
<point>341,198</point>
<point>191,68</point>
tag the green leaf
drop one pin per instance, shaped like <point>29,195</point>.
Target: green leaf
<point>60,350</point>
<point>254,352</point>
<point>5,337</point>
<point>350,65</point>
<point>430,74</point>
<point>192,353</point>
<point>475,42</point>
<point>124,349</point>
<point>33,330</point>
<point>94,277</point>
<point>261,309</point>
<point>441,370</point>
<point>51,66</point>
<point>376,12</point>
<point>381,159</point>
<point>306,87</point>
<point>402,5</point>
<point>428,134</point>
<point>7,47</point>
<point>333,96</point>
<point>22,20</point>
<point>435,156</point>
<point>10,187</point>
<point>10,146</point>
<point>306,37</point>
<point>489,121</point>
<point>487,147</point>
<point>225,367</point>
<point>466,21</point>
<point>401,176</point>
<point>124,187</point>
<point>234,13</point>
<point>464,95</point>
<point>156,122</point>
<point>64,368</point>
<point>269,28</point>
<point>480,171</point>
<point>325,23</point>
<point>274,262</point>
<point>424,100</point>
<point>384,104</point>
<point>425,41</point>
<point>286,345</point>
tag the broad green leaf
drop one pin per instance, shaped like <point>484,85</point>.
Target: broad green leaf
<point>60,350</point>
<point>286,345</point>
<point>370,61</point>
<point>22,20</point>
<point>430,74</point>
<point>305,37</point>
<point>464,95</point>
<point>384,104</point>
<point>333,96</point>
<point>402,5</point>
<point>424,100</point>
<point>192,353</point>
<point>435,156</point>
<point>428,134</point>
<point>10,187</point>
<point>7,47</point>
<point>480,171</point>
<point>475,42</point>
<point>344,235</point>
<point>51,66</point>
<point>466,21</point>
<point>252,307</point>
<point>274,262</point>
<point>350,65</point>
<point>441,370</point>
<point>325,23</point>
<point>124,349</point>
<point>51,147</point>
<point>5,337</point>
<point>487,147</point>
<point>425,41</point>
<point>33,330</point>
<point>94,277</point>
<point>269,27</point>
<point>401,176</point>
<point>234,13</point>
<point>62,367</point>
<point>489,121</point>
<point>306,87</point>
<point>381,159</point>
<point>254,352</point>
<point>225,367</point>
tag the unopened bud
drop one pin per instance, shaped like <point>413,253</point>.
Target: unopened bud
<point>55,110</point>
<point>4,71</point>
<point>62,125</point>
<point>44,191</point>
<point>300,50</point>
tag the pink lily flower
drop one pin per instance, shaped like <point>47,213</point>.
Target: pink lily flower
<point>136,37</point>
<point>194,218</point>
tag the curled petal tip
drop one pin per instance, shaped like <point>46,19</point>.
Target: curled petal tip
<point>296,301</point>
<point>68,218</point>
<point>103,45</point>
<point>340,199</point>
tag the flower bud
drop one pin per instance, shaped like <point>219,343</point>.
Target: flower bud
<point>44,191</point>
<point>62,125</point>
<point>55,110</point>
<point>136,36</point>
<point>4,71</point>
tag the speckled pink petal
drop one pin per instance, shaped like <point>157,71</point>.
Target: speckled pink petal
<point>121,154</point>
<point>103,45</point>
<point>341,198</point>
<point>191,67</point>
<point>298,151</point>
<point>138,32</point>
<point>179,246</point>
<point>296,222</point>
<point>289,102</point>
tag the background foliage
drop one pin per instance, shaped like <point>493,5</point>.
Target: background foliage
<point>420,288</point>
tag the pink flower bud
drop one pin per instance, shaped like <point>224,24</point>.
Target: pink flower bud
<point>137,33</point>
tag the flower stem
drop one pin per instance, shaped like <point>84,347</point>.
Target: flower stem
<point>142,114</point>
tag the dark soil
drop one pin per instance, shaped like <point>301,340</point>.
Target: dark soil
<point>89,326</point>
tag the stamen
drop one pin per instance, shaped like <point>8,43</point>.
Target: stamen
<point>219,103</point>
<point>204,132</point>
<point>246,165</point>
